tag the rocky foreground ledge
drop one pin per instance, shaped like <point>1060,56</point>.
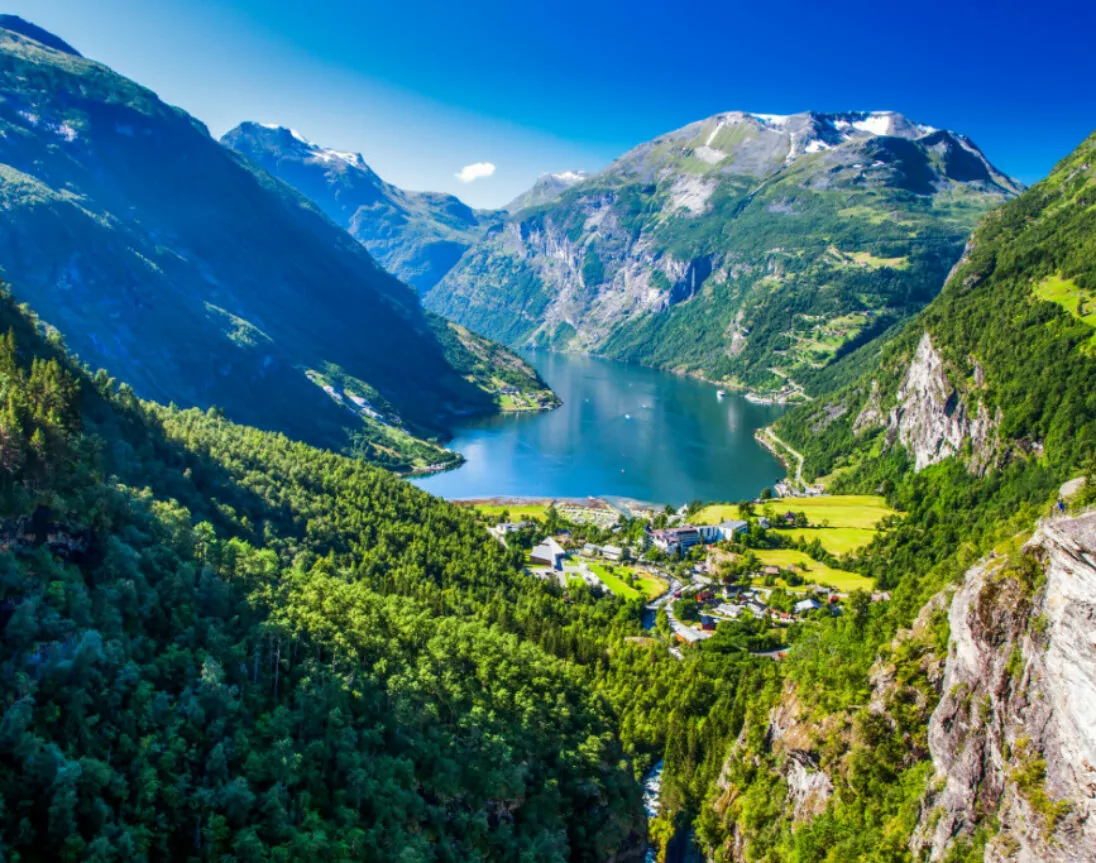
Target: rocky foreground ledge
<point>1015,730</point>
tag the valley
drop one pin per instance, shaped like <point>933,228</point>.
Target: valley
<point>734,502</point>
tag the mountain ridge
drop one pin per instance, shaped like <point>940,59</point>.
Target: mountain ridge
<point>201,279</point>
<point>687,250</point>
<point>416,236</point>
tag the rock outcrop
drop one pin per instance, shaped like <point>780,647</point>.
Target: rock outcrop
<point>1013,739</point>
<point>933,419</point>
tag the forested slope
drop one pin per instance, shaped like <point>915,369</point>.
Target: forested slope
<point>221,642</point>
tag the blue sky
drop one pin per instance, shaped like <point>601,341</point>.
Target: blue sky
<point>423,88</point>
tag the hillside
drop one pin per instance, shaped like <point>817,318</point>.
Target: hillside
<point>416,236</point>
<point>222,643</point>
<point>947,724</point>
<point>750,249</point>
<point>200,279</point>
<point>999,370</point>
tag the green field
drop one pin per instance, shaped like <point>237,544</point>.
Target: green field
<point>1074,299</point>
<point>816,573</point>
<point>836,540</point>
<point>841,510</point>
<point>518,511</point>
<point>652,586</point>
<point>852,518</point>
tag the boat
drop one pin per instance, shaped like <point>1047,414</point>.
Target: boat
<point>719,394</point>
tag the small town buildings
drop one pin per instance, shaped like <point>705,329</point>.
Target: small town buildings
<point>674,540</point>
<point>763,523</point>
<point>710,532</point>
<point>728,610</point>
<point>807,605</point>
<point>774,571</point>
<point>550,553</point>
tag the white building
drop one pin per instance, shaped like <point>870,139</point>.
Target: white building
<point>728,529</point>
<point>807,605</point>
<point>550,553</point>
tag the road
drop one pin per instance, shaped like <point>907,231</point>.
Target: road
<point>796,453</point>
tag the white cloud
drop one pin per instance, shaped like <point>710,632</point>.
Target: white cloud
<point>474,171</point>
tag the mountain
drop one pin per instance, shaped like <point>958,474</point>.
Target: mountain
<point>999,370</point>
<point>200,279</point>
<point>220,643</point>
<point>750,249</point>
<point>546,189</point>
<point>952,721</point>
<point>416,236</point>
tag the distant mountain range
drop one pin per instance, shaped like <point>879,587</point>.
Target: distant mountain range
<point>198,277</point>
<point>416,236</point>
<point>546,189</point>
<point>751,249</point>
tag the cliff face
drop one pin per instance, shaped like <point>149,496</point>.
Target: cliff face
<point>1013,740</point>
<point>934,420</point>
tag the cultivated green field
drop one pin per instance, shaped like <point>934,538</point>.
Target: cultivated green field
<point>518,511</point>
<point>814,572</point>
<point>651,586</point>
<point>841,510</point>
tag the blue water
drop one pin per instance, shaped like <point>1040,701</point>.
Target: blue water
<point>623,431</point>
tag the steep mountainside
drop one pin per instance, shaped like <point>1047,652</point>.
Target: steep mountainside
<point>200,279</point>
<point>952,722</point>
<point>1000,368</point>
<point>416,236</point>
<point>222,644</point>
<point>546,189</point>
<point>751,249</point>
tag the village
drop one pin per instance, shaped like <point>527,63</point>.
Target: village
<point>771,561</point>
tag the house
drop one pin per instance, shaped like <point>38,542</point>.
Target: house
<point>549,553</point>
<point>728,610</point>
<point>728,529</point>
<point>590,550</point>
<point>774,571</point>
<point>763,523</point>
<point>806,605</point>
<point>707,623</point>
<point>688,635</point>
<point>756,608</point>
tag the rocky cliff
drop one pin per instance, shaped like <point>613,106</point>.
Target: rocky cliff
<point>932,418</point>
<point>975,735</point>
<point>1013,740</point>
